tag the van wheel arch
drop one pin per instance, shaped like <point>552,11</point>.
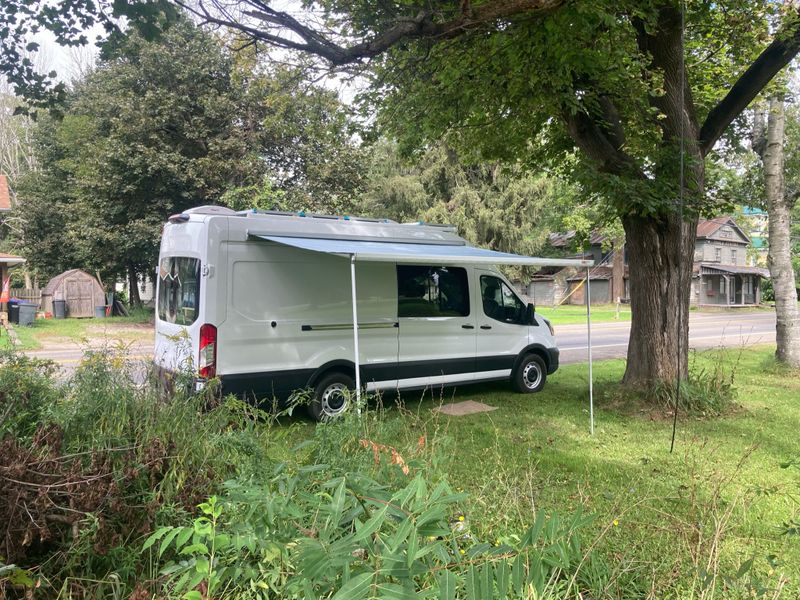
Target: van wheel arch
<point>335,366</point>
<point>536,349</point>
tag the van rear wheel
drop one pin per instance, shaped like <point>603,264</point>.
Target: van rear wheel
<point>331,396</point>
<point>531,374</point>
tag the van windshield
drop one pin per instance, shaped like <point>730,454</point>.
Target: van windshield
<point>178,289</point>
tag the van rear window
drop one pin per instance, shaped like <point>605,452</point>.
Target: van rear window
<point>426,291</point>
<point>178,289</point>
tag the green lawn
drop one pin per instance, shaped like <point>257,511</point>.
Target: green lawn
<point>78,330</point>
<point>663,519</point>
<point>570,314</point>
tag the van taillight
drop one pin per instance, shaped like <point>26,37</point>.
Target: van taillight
<point>208,351</point>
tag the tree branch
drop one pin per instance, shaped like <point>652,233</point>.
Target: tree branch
<point>423,25</point>
<point>774,57</point>
<point>598,142</point>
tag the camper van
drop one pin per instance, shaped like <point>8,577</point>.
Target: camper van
<point>267,301</point>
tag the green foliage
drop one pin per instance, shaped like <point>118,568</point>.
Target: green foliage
<point>492,204</point>
<point>68,23</point>
<point>27,392</point>
<point>162,126</point>
<point>708,391</point>
<point>352,537</point>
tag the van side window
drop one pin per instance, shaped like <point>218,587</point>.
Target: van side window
<point>178,289</point>
<point>427,291</point>
<point>500,303</point>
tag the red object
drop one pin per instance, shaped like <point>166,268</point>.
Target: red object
<point>4,295</point>
<point>208,351</point>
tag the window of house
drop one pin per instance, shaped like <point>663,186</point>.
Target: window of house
<point>733,256</point>
<point>427,291</point>
<point>500,302</point>
<point>178,289</point>
<point>726,232</point>
<point>721,285</point>
<point>718,254</point>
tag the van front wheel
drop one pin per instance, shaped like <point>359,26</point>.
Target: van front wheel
<point>531,374</point>
<point>331,396</point>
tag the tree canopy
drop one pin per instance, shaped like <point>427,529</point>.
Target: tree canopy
<point>162,126</point>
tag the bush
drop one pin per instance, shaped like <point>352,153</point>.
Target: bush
<point>98,463</point>
<point>27,390</point>
<point>105,461</point>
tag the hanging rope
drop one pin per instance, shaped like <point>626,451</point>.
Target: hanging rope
<point>681,308</point>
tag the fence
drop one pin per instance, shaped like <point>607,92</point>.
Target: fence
<point>27,294</point>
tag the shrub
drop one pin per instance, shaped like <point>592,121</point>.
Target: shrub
<point>350,537</point>
<point>27,389</point>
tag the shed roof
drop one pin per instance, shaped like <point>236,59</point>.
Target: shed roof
<point>54,283</point>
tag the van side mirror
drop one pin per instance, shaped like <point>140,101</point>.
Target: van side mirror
<point>530,313</point>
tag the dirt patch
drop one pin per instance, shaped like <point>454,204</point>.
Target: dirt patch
<point>468,407</point>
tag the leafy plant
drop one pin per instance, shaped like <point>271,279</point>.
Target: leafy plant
<point>352,537</point>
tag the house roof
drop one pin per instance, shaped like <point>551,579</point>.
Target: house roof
<point>563,239</point>
<point>5,197</point>
<point>11,259</point>
<point>708,227</point>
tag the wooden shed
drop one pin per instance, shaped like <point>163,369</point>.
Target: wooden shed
<point>81,291</point>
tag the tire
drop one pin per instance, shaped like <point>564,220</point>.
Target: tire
<point>531,374</point>
<point>331,396</point>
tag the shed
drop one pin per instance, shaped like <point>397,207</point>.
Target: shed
<point>81,291</point>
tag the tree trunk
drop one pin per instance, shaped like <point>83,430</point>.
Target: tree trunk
<point>779,258</point>
<point>660,270</point>
<point>133,288</point>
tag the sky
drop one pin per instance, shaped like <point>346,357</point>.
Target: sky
<point>72,63</point>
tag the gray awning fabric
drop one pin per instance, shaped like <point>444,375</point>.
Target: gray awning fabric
<point>413,253</point>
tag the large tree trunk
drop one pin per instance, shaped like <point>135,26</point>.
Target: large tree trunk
<point>779,208</point>
<point>661,256</point>
<point>133,288</point>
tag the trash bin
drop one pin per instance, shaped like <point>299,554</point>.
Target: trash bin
<point>13,313</point>
<point>60,309</point>
<point>27,313</point>
<point>99,312</point>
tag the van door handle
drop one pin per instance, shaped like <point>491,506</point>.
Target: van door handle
<point>468,327</point>
<point>486,326</point>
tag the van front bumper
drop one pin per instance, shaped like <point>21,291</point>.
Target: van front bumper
<point>552,360</point>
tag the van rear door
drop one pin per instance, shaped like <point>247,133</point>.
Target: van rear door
<point>177,312</point>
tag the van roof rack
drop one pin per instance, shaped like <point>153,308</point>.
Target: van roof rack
<point>255,212</point>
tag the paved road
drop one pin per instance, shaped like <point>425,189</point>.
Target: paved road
<point>706,330</point>
<point>609,340</point>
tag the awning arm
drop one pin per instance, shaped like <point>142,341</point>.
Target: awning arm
<point>356,360</point>
<point>589,348</point>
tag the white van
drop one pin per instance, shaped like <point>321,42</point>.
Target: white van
<point>264,302</point>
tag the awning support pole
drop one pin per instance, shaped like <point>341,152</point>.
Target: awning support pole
<point>589,348</point>
<point>355,331</point>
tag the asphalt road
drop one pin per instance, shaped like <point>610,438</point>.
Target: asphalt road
<point>706,330</point>
<point>609,340</point>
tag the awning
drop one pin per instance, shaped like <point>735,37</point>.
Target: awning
<point>396,252</point>
<point>735,270</point>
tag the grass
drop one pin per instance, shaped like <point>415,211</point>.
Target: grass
<point>667,522</point>
<point>78,330</point>
<point>571,314</point>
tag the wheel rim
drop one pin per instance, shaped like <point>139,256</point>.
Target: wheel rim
<point>334,399</point>
<point>531,375</point>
